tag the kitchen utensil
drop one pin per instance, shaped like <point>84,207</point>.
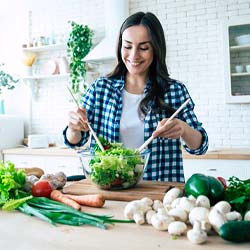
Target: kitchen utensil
<point>75,177</point>
<point>90,128</point>
<point>155,190</point>
<point>145,144</point>
<point>112,171</point>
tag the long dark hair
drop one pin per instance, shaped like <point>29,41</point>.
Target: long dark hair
<point>158,73</point>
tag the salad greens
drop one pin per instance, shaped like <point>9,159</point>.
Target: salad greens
<point>238,194</point>
<point>117,167</point>
<point>11,182</point>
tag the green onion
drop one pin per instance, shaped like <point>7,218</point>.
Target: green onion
<point>55,212</point>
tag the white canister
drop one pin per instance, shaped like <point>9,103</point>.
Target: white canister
<point>248,68</point>
<point>239,68</point>
<point>63,65</point>
<point>38,141</point>
<point>27,70</point>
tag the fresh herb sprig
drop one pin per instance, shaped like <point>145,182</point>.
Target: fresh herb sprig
<point>238,194</point>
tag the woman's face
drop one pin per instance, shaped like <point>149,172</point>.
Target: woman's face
<point>136,50</point>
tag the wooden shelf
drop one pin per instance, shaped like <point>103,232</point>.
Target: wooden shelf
<point>41,77</point>
<point>240,74</point>
<point>46,48</point>
<point>240,47</point>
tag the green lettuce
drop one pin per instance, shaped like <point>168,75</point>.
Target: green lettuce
<point>116,164</point>
<point>11,182</point>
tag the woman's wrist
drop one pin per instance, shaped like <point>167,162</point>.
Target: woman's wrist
<point>73,136</point>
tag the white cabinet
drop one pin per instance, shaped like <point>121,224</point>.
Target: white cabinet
<point>70,165</point>
<point>237,82</point>
<point>215,167</point>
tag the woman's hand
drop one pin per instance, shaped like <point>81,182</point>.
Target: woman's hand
<point>77,123</point>
<point>78,120</point>
<point>173,129</point>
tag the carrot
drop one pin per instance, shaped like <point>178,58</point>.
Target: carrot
<point>90,200</point>
<point>59,196</point>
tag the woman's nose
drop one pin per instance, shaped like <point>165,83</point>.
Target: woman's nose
<point>134,53</point>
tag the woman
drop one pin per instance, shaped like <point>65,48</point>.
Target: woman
<point>135,100</point>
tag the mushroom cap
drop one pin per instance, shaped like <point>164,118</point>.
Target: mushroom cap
<point>197,237</point>
<point>177,228</point>
<point>198,213</point>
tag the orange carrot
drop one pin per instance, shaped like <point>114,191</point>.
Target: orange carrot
<point>59,196</point>
<point>90,200</point>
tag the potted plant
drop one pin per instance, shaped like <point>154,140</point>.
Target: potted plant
<point>7,81</point>
<point>79,44</point>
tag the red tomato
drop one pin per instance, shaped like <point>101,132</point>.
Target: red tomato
<point>223,182</point>
<point>116,183</point>
<point>41,189</point>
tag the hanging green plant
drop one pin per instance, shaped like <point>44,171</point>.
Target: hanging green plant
<point>6,80</point>
<point>79,45</point>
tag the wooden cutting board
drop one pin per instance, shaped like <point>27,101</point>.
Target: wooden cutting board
<point>152,189</point>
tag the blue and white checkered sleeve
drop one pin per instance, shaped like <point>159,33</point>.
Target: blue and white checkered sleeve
<point>190,118</point>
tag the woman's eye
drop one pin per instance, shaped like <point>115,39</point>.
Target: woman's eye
<point>126,47</point>
<point>144,49</point>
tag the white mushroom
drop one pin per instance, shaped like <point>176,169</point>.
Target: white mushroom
<point>206,226</point>
<point>233,216</point>
<point>136,209</point>
<point>147,201</point>
<point>247,215</point>
<point>192,198</point>
<point>171,195</point>
<point>177,228</point>
<point>161,220</point>
<point>198,213</point>
<point>149,215</point>
<point>223,207</point>
<point>157,204</point>
<point>162,212</point>
<point>179,214</point>
<point>216,219</point>
<point>139,217</point>
<point>186,204</point>
<point>202,201</point>
<point>175,202</point>
<point>197,235</point>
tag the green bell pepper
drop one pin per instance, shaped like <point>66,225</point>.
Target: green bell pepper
<point>200,184</point>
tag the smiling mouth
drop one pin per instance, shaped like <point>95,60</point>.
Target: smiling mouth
<point>134,63</point>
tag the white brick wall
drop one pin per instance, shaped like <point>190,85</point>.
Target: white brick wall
<point>194,56</point>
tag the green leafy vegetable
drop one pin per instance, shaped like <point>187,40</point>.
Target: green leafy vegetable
<point>117,166</point>
<point>14,204</point>
<point>238,194</point>
<point>55,212</point>
<point>11,182</point>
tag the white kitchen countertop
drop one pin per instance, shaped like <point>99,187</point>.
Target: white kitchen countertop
<point>227,154</point>
<point>19,231</point>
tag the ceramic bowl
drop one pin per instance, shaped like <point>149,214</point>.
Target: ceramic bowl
<point>248,68</point>
<point>113,172</point>
<point>243,39</point>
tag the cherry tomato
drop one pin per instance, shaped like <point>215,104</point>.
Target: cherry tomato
<point>41,189</point>
<point>116,183</point>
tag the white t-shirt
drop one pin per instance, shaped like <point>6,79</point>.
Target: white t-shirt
<point>131,126</point>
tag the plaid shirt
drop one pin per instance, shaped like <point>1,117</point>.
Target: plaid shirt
<point>103,103</point>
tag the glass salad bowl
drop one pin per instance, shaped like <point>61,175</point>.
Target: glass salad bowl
<point>114,169</point>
